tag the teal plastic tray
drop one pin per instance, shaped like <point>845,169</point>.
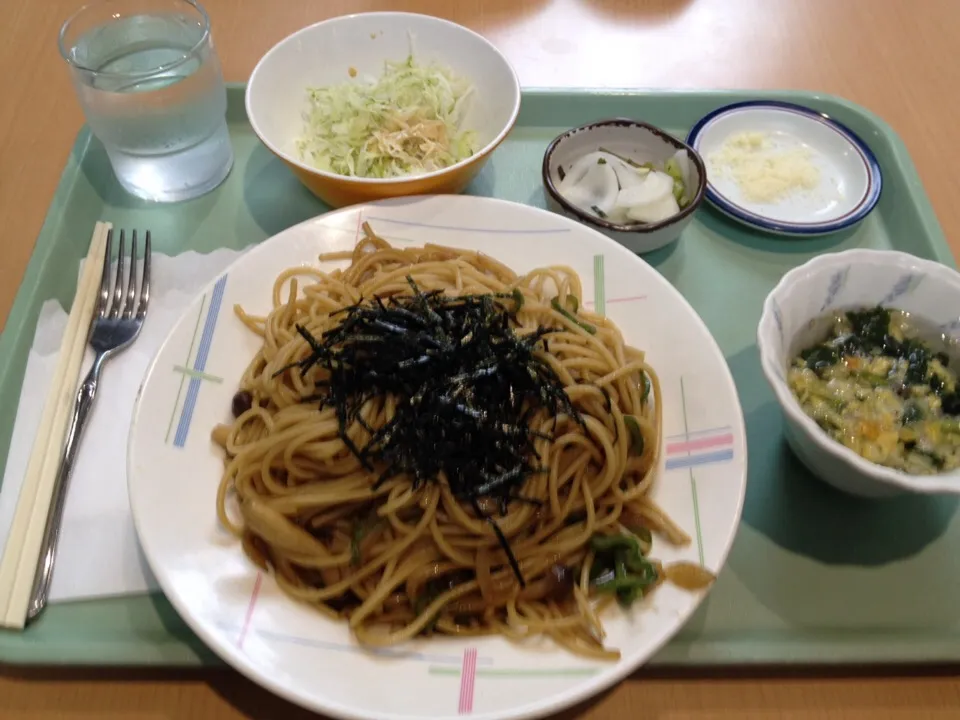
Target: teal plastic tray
<point>814,576</point>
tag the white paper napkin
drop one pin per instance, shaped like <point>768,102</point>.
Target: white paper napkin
<point>98,554</point>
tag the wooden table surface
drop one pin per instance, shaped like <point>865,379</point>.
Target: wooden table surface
<point>896,57</point>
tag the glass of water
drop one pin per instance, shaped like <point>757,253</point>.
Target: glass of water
<point>151,89</point>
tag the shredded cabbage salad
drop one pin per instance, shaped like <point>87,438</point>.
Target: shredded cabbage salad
<point>406,122</point>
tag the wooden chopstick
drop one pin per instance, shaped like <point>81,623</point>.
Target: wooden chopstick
<point>18,566</point>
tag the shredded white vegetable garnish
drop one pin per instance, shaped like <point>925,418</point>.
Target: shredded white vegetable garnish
<point>406,122</point>
<point>621,190</point>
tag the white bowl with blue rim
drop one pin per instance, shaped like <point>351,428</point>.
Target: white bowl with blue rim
<point>836,282</point>
<point>845,185</point>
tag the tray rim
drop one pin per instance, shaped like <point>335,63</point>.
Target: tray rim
<point>164,649</point>
<point>43,242</point>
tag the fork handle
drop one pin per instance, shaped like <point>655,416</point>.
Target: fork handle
<point>51,532</point>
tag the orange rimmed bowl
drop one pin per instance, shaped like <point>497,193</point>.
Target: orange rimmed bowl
<point>356,46</point>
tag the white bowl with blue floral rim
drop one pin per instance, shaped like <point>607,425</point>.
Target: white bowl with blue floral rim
<point>848,180</point>
<point>792,320</point>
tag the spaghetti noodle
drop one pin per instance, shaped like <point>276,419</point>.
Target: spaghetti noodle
<point>427,442</point>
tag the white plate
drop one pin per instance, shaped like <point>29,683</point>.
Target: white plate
<point>291,649</point>
<point>850,178</point>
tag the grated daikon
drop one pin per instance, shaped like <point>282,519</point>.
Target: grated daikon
<point>763,172</point>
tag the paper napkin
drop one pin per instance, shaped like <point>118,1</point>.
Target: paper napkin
<point>98,554</point>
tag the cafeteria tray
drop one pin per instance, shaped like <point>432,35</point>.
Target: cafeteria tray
<point>813,577</point>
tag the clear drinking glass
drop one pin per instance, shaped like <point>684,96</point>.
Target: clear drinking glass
<point>150,85</point>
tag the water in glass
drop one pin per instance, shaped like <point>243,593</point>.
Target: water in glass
<point>152,91</point>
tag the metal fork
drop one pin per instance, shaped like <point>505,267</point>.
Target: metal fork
<point>116,324</point>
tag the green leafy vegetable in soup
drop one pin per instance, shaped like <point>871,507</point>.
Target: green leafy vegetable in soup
<point>874,385</point>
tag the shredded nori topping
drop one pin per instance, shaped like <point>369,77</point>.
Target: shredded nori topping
<point>466,386</point>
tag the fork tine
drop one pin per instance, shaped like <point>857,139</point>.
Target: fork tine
<point>145,279</point>
<point>118,287</point>
<point>104,300</point>
<point>131,279</point>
